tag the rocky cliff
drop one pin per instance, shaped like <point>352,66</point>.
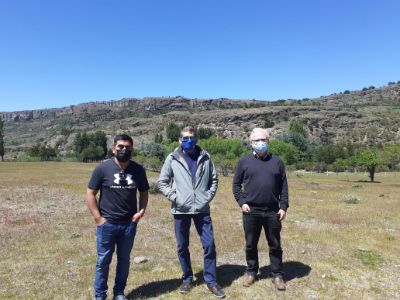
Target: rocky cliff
<point>368,116</point>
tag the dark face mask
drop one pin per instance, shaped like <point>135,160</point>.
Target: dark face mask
<point>123,155</point>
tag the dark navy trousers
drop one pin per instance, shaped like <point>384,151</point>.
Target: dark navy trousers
<point>204,228</point>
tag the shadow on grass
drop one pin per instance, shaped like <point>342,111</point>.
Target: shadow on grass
<point>292,270</point>
<point>368,181</point>
<point>154,289</point>
<point>361,181</point>
<point>227,274</point>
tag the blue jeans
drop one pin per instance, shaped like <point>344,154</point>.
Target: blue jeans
<point>205,230</point>
<point>110,235</point>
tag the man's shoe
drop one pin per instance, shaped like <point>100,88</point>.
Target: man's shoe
<point>279,283</point>
<point>120,297</point>
<point>249,280</point>
<point>185,287</point>
<point>217,291</point>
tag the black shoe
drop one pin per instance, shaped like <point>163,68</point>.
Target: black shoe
<point>217,291</point>
<point>185,287</point>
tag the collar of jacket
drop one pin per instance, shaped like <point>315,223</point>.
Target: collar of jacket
<point>178,153</point>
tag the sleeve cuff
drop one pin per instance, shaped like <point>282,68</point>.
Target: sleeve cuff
<point>241,202</point>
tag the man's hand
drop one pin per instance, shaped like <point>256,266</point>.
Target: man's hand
<point>245,208</point>
<point>282,214</point>
<point>99,221</point>
<point>136,217</point>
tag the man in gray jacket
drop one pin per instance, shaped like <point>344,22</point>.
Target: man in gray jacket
<point>189,180</point>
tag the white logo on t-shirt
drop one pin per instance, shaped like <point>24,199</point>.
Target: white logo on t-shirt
<point>128,178</point>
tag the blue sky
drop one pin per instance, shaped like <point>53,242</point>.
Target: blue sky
<point>57,53</point>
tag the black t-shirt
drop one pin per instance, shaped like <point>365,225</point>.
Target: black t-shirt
<point>117,202</point>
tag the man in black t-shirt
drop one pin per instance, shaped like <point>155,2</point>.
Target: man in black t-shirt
<point>260,188</point>
<point>116,213</point>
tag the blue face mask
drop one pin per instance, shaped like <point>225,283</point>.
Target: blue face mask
<point>189,144</point>
<point>260,146</point>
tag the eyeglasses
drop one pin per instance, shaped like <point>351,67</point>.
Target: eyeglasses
<point>186,138</point>
<point>120,147</point>
<point>259,140</point>
<point>122,178</point>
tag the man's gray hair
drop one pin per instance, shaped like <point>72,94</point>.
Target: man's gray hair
<point>258,130</point>
<point>188,129</point>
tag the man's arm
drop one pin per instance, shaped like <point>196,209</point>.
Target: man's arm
<point>237,185</point>
<point>93,206</point>
<point>284,196</point>
<point>164,180</point>
<point>214,181</point>
<point>143,200</point>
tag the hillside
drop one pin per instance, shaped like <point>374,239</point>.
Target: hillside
<point>369,116</point>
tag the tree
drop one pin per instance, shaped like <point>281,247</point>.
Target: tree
<point>204,132</point>
<point>158,138</point>
<point>1,139</point>
<point>300,142</point>
<point>391,155</point>
<point>99,139</point>
<point>286,151</point>
<point>329,153</point>
<point>296,127</point>
<point>91,143</point>
<point>154,150</point>
<point>367,158</point>
<point>42,152</point>
<point>173,132</point>
<point>91,153</point>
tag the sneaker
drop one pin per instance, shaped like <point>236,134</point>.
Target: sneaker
<point>217,291</point>
<point>185,287</point>
<point>249,280</point>
<point>279,283</point>
<point>120,297</point>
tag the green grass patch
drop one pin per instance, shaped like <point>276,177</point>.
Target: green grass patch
<point>368,257</point>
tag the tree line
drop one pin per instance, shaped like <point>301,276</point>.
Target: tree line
<point>294,148</point>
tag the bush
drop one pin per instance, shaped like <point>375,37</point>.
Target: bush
<point>173,132</point>
<point>287,152</point>
<point>350,199</point>
<point>204,133</point>
<point>91,153</point>
<point>153,186</point>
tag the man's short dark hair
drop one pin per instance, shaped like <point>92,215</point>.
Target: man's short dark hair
<point>188,129</point>
<point>123,137</point>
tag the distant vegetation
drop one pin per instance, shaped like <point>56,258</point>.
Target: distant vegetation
<point>351,130</point>
<point>294,148</point>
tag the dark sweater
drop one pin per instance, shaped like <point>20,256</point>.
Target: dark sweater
<point>261,183</point>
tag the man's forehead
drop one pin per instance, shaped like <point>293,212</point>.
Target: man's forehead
<point>122,142</point>
<point>258,135</point>
<point>188,133</point>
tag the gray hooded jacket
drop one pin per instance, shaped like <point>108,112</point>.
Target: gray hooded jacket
<point>186,196</point>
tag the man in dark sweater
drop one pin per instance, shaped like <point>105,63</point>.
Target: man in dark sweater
<point>260,188</point>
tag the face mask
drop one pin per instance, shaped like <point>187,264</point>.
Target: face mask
<point>189,144</point>
<point>123,155</point>
<point>260,146</point>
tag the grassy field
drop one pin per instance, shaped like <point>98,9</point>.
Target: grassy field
<point>341,239</point>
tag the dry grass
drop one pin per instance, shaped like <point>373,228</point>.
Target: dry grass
<point>332,249</point>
